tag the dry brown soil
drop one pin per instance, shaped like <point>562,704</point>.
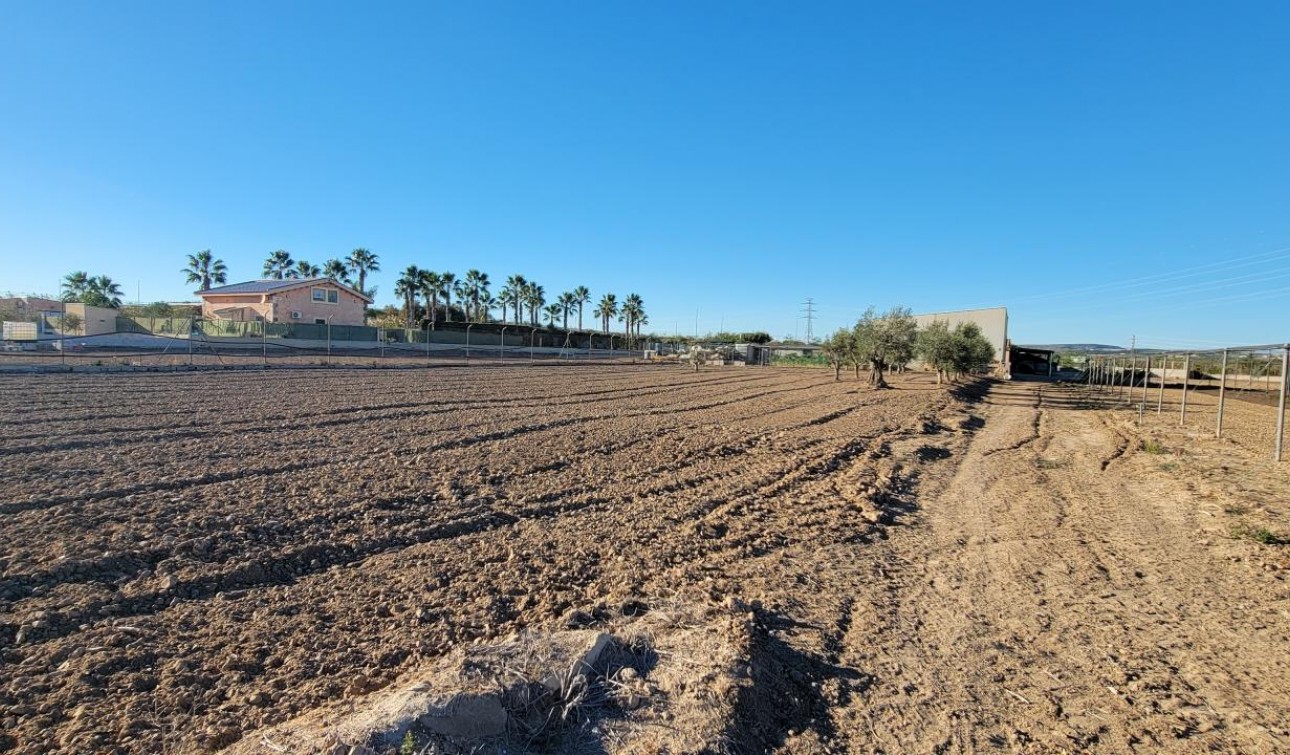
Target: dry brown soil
<point>186,558</point>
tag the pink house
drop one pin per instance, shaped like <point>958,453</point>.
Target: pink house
<point>303,300</point>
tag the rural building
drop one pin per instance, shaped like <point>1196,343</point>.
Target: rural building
<point>302,300</point>
<point>29,307</point>
<point>992,321</point>
<point>94,321</point>
<point>781,349</point>
<point>1031,360</point>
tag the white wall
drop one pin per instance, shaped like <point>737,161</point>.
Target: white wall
<point>993,323</point>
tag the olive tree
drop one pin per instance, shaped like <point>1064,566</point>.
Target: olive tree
<point>884,341</point>
<point>839,349</point>
<point>971,350</point>
<point>935,346</point>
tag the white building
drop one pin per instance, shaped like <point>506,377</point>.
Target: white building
<point>992,321</point>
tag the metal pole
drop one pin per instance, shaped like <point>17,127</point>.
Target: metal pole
<point>264,343</point>
<point>1146,378</point>
<point>1222,393</point>
<point>1182,415</point>
<point>468,327</point>
<point>1281,406</point>
<point>501,347</point>
<point>328,341</point>
<point>532,341</point>
<point>1164,374</point>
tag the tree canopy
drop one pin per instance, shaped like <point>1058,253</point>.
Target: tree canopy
<point>885,340</point>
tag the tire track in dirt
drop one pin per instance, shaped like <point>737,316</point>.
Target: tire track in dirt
<point>1050,608</point>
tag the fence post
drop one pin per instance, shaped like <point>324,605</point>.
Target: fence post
<point>1222,394</point>
<point>501,349</point>
<point>328,341</point>
<point>532,341</point>
<point>1182,414</point>
<point>1281,405</point>
<point>1164,375</point>
<point>468,327</point>
<point>1146,378</point>
<point>264,343</point>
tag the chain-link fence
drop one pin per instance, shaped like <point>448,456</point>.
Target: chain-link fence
<point>1238,391</point>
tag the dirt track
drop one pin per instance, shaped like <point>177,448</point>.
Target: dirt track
<point>189,557</point>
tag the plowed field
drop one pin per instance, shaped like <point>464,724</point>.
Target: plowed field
<point>190,561</point>
<point>189,556</point>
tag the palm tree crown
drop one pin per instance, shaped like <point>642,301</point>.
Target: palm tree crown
<point>534,298</point>
<point>278,265</point>
<point>337,271</point>
<point>407,286</point>
<point>361,262</point>
<point>581,295</point>
<point>430,283</point>
<point>204,269</point>
<point>606,310</point>
<point>448,284</point>
<point>567,301</point>
<point>304,269</point>
<point>94,291</point>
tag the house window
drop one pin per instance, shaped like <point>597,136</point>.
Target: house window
<point>320,321</point>
<point>328,295</point>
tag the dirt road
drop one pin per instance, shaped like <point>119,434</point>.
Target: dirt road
<point>1064,591</point>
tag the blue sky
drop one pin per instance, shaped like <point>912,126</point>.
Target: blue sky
<point>1104,169</point>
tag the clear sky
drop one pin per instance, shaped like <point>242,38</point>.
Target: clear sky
<point>1105,169</point>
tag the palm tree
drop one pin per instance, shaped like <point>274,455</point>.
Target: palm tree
<point>337,271</point>
<point>204,269</point>
<point>278,265</point>
<point>462,292</point>
<point>487,304</point>
<point>551,311</point>
<point>534,298</point>
<point>304,269</point>
<point>606,310</point>
<point>475,288</point>
<point>632,313</point>
<point>515,285</point>
<point>95,291</point>
<point>102,292</point>
<point>504,299</point>
<point>449,282</point>
<point>361,262</point>
<point>430,284</point>
<point>567,301</point>
<point>581,295</point>
<point>75,285</point>
<point>407,286</point>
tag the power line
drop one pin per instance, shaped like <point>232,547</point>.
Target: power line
<point>809,313</point>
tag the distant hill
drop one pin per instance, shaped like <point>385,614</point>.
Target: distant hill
<point>1082,348</point>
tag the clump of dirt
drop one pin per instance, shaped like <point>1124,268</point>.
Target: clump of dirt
<point>673,680</point>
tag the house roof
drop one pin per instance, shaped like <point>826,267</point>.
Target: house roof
<point>272,285</point>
